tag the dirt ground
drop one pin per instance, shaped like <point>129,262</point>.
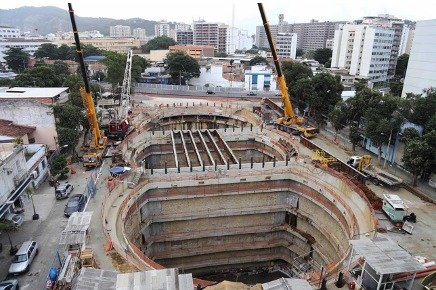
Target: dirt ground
<point>121,264</point>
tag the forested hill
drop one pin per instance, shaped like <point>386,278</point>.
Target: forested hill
<point>51,19</point>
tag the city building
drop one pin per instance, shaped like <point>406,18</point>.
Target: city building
<point>259,78</point>
<point>32,108</point>
<point>224,43</point>
<point>119,31</point>
<point>162,29</point>
<point>182,27</point>
<point>154,75</point>
<point>28,45</point>
<point>9,32</point>
<point>195,51</point>
<point>206,33</point>
<point>310,36</point>
<point>185,37</point>
<point>421,71</point>
<point>122,45</point>
<point>409,41</point>
<point>364,50</point>
<point>286,45</point>
<point>237,39</point>
<point>139,33</point>
<point>21,167</point>
<point>12,130</point>
<point>329,43</point>
<point>400,35</point>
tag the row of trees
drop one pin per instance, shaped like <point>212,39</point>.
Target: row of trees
<point>65,52</point>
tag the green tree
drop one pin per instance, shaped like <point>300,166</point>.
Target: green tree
<point>339,117</point>
<point>354,136</point>
<point>116,64</point>
<point>39,76</point>
<point>99,76</point>
<point>181,65</point>
<point>410,134</point>
<point>418,158</point>
<point>66,52</point>
<point>301,92</point>
<point>258,60</point>
<point>160,42</point>
<point>322,55</point>
<point>89,49</point>
<point>300,52</point>
<point>16,59</point>
<point>422,106</point>
<point>364,99</point>
<point>431,124</point>
<point>67,116</point>
<point>59,164</point>
<point>6,82</point>
<point>8,226</point>
<point>328,90</point>
<point>401,68</point>
<point>138,66</point>
<point>396,87</point>
<point>294,71</point>
<point>220,54</point>
<point>47,50</point>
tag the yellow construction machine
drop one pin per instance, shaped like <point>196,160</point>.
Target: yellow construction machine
<point>94,156</point>
<point>289,118</point>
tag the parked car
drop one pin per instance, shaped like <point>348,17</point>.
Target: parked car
<point>9,285</point>
<point>251,93</point>
<point>23,258</point>
<point>75,203</point>
<point>63,190</point>
<point>209,92</point>
<point>16,219</point>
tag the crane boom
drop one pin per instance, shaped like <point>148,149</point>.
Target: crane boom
<point>125,92</point>
<point>98,139</point>
<point>289,115</point>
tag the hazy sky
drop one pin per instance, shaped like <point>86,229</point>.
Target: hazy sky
<point>245,11</point>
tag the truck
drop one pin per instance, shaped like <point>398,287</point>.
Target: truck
<point>288,119</point>
<point>94,155</point>
<point>375,175</point>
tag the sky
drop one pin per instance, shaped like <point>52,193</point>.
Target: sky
<point>246,13</point>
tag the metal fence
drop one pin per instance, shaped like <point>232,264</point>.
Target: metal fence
<point>161,87</point>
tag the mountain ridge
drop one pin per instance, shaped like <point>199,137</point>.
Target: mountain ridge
<point>50,19</point>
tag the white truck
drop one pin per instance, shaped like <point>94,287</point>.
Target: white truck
<point>377,176</point>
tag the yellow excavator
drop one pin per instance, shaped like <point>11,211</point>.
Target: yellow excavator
<point>290,121</point>
<point>94,156</point>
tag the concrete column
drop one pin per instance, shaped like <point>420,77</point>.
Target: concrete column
<point>207,149</point>
<point>174,149</point>
<point>185,149</point>
<point>196,149</point>
<point>216,147</point>
<point>227,147</point>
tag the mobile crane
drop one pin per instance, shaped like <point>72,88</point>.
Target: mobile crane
<point>119,124</point>
<point>289,120</point>
<point>94,156</point>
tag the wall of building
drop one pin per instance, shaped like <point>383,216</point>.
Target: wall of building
<point>421,70</point>
<point>32,113</point>
<point>12,169</point>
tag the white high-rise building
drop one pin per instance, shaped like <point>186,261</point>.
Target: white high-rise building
<point>119,31</point>
<point>182,27</point>
<point>9,32</point>
<point>286,45</point>
<point>139,33</point>
<point>162,29</point>
<point>363,50</point>
<point>421,71</point>
<point>237,39</point>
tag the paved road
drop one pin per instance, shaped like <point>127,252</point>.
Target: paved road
<point>45,231</point>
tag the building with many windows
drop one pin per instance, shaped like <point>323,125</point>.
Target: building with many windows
<point>421,69</point>
<point>363,50</point>
<point>9,32</point>
<point>182,27</point>
<point>122,45</point>
<point>286,45</point>
<point>195,51</point>
<point>185,37</point>
<point>206,33</point>
<point>162,29</point>
<point>28,45</point>
<point>139,33</point>
<point>119,31</point>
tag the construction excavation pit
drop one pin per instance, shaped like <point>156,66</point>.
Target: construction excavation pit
<point>217,194</point>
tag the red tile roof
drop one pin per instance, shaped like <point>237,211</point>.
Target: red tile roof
<point>8,128</point>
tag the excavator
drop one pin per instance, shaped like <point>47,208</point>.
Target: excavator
<point>94,156</point>
<point>289,120</point>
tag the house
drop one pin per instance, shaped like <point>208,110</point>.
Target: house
<point>10,129</point>
<point>154,75</point>
<point>21,167</point>
<point>43,95</point>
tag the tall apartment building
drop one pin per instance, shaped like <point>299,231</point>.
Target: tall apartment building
<point>206,33</point>
<point>119,31</point>
<point>139,33</point>
<point>310,36</point>
<point>286,45</point>
<point>162,29</point>
<point>9,32</point>
<point>185,37</point>
<point>364,50</point>
<point>421,71</point>
<point>224,41</point>
<point>182,27</point>
<point>28,45</point>
<point>237,39</point>
<point>397,25</point>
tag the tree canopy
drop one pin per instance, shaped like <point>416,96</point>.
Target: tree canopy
<point>160,42</point>
<point>16,59</point>
<point>116,64</point>
<point>322,55</point>
<point>258,60</point>
<point>182,66</point>
<point>39,76</point>
<point>300,52</point>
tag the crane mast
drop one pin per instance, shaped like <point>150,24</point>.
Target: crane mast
<point>125,91</point>
<point>289,115</point>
